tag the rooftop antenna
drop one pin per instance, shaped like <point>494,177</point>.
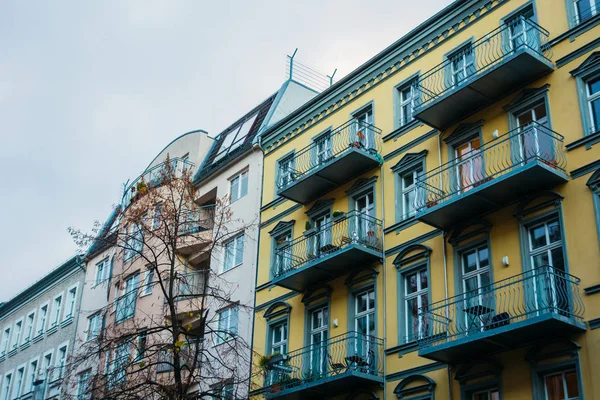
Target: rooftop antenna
<point>292,62</point>
<point>331,77</point>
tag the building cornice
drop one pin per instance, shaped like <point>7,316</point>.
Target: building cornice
<point>421,40</point>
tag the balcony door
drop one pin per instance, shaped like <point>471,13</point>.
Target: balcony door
<point>469,164</point>
<point>546,249</point>
<point>319,334</point>
<point>323,150</point>
<point>366,213</point>
<point>522,33</point>
<point>322,238</point>
<point>362,132</point>
<point>462,65</point>
<point>479,304</point>
<point>534,139</point>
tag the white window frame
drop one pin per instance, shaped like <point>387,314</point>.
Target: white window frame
<point>99,278</point>
<point>41,325</point>
<point>31,375</point>
<point>88,374</point>
<point>422,329</point>
<point>147,282</point>
<point>47,368</point>
<point>29,328</point>
<point>6,339</point>
<point>466,58</point>
<point>156,215</point>
<point>590,98</point>
<point>282,326</point>
<point>72,303</point>
<point>58,368</point>
<point>403,121</point>
<point>227,333</point>
<point>562,373</point>
<point>594,8</point>
<point>55,314</point>
<point>17,390</point>
<point>237,242</point>
<point>89,332</point>
<point>240,187</point>
<point>405,190</point>
<point>16,340</point>
<point>7,390</point>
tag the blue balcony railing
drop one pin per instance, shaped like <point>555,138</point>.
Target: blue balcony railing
<point>154,176</point>
<point>515,149</point>
<point>337,358</point>
<point>486,53</point>
<point>354,228</point>
<point>504,305</point>
<point>352,135</point>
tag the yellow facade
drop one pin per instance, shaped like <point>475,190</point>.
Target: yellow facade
<point>515,368</point>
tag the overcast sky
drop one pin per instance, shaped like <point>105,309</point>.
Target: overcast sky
<point>91,91</point>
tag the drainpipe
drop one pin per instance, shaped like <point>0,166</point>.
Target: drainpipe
<point>384,276</point>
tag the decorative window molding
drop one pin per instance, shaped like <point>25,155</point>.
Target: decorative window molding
<point>360,277</point>
<point>464,132</point>
<point>537,202</point>
<point>483,376</point>
<point>320,207</point>
<point>594,184</point>
<point>276,310</point>
<point>361,185</point>
<point>585,74</point>
<point>317,294</point>
<point>415,385</point>
<point>362,394</point>
<point>470,230</point>
<point>406,172</point>
<point>405,98</point>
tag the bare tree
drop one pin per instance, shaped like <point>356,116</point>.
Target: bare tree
<point>162,321</point>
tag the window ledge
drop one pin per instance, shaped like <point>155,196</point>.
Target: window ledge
<point>402,349</point>
<point>66,322</point>
<point>25,345</point>
<point>2,357</point>
<point>52,330</point>
<point>401,225</point>
<point>37,338</point>
<point>145,294</point>
<point>588,141</point>
<point>401,130</point>
<point>12,352</point>
<point>231,269</point>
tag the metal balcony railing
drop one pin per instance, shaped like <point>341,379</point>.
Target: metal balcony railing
<point>336,356</point>
<point>198,220</point>
<point>352,135</point>
<point>154,176</point>
<point>517,148</point>
<point>537,292</point>
<point>189,285</point>
<point>354,228</point>
<point>484,54</point>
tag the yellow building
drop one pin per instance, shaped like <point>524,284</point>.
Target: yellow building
<point>429,224</point>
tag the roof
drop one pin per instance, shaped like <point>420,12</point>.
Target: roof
<point>235,140</point>
<point>63,270</point>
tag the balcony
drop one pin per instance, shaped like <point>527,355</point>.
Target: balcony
<point>322,255</point>
<point>343,362</point>
<point>188,289</point>
<point>332,160</point>
<point>502,171</point>
<point>477,76</point>
<point>539,303</point>
<point>155,176</point>
<point>196,234</point>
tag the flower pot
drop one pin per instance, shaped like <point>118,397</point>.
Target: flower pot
<point>482,181</point>
<point>432,204</point>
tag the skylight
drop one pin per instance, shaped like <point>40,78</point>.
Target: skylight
<point>235,138</point>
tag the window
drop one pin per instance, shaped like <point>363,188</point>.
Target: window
<point>462,65</point>
<point>488,394</point>
<point>228,325</point>
<point>61,362</point>
<point>362,130</point>
<point>283,253</point>
<point>408,189</point>
<point>407,96</point>
<point>141,343</point>
<point>562,386</point>
<point>101,271</point>
<point>17,334</point>
<point>47,365</point>
<point>126,303</point>
<point>235,138</point>
<point>83,381</point>
<point>119,363</point>
<point>546,245</point>
<point>585,9</point>
<point>286,171</point>
<point>364,316</point>
<point>56,310</point>
<point>5,340</point>
<point>148,283</point>
<point>29,326</point>
<point>33,369</point>
<point>593,103</point>
<point>20,376</point>
<point>416,300</point>
<point>134,240</point>
<point>94,325</point>
<point>323,149</point>
<point>71,298</point>
<point>42,319</point>
<point>6,386</point>
<point>156,217</point>
<point>279,338</point>
<point>227,392</point>
<point>234,252</point>
<point>238,186</point>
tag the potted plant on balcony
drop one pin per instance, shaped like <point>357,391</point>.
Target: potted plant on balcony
<point>357,144</point>
<point>338,215</point>
<point>482,181</point>
<point>432,203</point>
<point>141,187</point>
